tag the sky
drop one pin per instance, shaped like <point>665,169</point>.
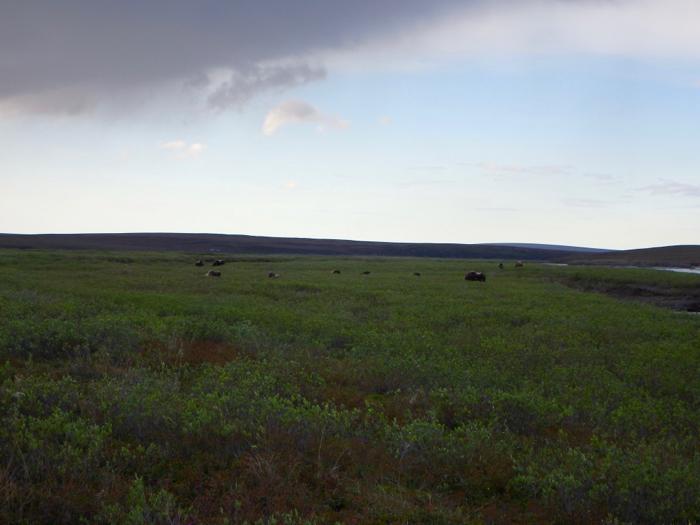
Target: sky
<point>537,121</point>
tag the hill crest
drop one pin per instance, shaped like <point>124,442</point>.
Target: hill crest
<point>222,243</point>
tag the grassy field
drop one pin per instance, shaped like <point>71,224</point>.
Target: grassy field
<point>135,390</point>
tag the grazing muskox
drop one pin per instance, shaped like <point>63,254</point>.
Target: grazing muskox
<point>335,272</point>
<point>213,273</point>
<point>218,262</point>
<point>519,264</point>
<point>199,262</point>
<point>417,274</point>
<point>475,276</point>
<point>272,275</point>
<point>365,273</point>
<point>500,266</point>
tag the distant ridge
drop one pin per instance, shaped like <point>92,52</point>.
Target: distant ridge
<point>246,244</point>
<point>557,247</point>
<point>682,256</point>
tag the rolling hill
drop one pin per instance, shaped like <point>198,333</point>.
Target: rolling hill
<point>218,243</point>
<point>681,256</point>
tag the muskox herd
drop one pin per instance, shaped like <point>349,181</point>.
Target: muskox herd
<point>469,276</point>
<point>218,262</point>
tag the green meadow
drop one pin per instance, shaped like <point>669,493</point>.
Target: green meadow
<point>133,389</point>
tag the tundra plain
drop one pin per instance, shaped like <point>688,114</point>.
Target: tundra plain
<point>133,389</point>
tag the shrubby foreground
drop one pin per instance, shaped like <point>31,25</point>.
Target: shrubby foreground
<point>135,390</point>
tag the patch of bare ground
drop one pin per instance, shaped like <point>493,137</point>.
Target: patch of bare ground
<point>193,352</point>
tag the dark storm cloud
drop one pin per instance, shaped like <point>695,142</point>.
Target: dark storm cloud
<point>61,55</point>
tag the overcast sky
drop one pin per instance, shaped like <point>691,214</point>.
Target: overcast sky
<point>553,121</point>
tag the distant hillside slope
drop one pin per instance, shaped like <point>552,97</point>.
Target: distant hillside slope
<point>214,243</point>
<point>556,247</point>
<point>681,256</point>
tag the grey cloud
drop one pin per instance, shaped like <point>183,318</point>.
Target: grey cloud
<point>94,49</point>
<point>98,50</point>
<point>673,188</point>
<point>244,85</point>
<point>62,102</point>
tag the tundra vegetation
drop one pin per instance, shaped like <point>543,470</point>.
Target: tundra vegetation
<point>133,389</point>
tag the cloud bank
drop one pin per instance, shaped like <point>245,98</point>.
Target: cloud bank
<point>69,56</point>
<point>75,53</point>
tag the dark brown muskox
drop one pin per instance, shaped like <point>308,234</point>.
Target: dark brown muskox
<point>272,275</point>
<point>365,273</point>
<point>335,272</point>
<point>218,262</point>
<point>417,274</point>
<point>213,273</point>
<point>199,262</point>
<point>475,276</point>
<point>500,266</point>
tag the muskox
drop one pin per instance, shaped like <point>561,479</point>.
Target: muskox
<point>519,264</point>
<point>213,273</point>
<point>475,276</point>
<point>335,272</point>
<point>417,274</point>
<point>500,266</point>
<point>199,262</point>
<point>365,273</point>
<point>218,262</point>
<point>272,275</point>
